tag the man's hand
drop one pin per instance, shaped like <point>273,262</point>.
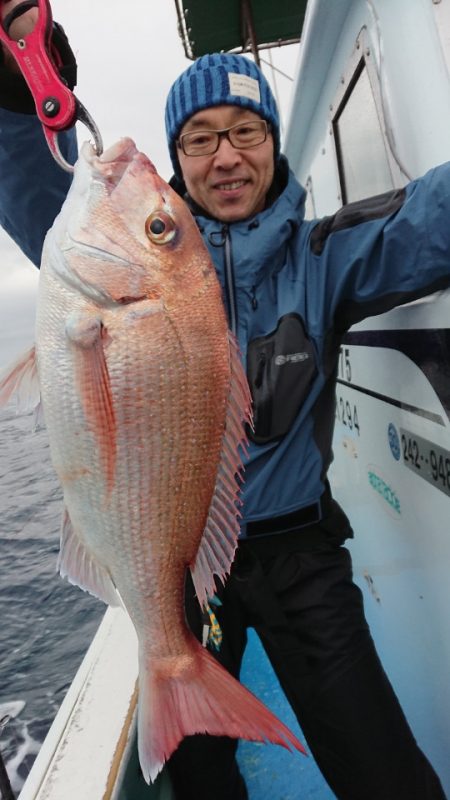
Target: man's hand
<point>15,94</point>
<point>21,26</point>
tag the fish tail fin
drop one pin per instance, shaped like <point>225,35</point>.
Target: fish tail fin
<point>201,697</point>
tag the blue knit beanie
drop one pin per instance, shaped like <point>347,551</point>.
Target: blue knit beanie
<point>215,80</point>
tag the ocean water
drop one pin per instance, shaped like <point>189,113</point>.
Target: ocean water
<point>46,624</point>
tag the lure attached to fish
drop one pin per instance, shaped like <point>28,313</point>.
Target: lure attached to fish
<point>145,402</point>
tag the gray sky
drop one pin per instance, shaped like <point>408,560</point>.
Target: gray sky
<point>128,57</point>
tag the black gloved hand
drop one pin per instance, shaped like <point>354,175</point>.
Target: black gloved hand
<point>14,92</point>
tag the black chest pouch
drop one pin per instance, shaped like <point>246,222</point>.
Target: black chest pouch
<point>281,368</point>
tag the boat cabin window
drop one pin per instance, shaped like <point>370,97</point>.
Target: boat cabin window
<point>362,157</point>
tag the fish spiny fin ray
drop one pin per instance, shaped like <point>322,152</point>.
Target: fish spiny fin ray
<point>20,381</point>
<point>88,337</point>
<point>219,541</point>
<point>206,699</point>
<point>80,567</point>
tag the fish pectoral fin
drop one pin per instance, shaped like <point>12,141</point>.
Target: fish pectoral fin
<point>88,336</point>
<point>79,566</point>
<point>219,541</point>
<point>20,380</point>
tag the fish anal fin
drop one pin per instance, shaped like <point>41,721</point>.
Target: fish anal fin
<point>88,336</point>
<point>204,698</point>
<point>219,541</point>
<point>79,566</point>
<point>20,381</point>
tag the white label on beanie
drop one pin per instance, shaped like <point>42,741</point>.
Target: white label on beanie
<point>244,86</point>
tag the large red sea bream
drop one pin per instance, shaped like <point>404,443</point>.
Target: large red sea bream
<point>145,401</point>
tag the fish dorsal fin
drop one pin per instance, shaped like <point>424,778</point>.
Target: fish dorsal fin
<point>20,381</point>
<point>87,336</point>
<point>218,545</point>
<point>80,567</point>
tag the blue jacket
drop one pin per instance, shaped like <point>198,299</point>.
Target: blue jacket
<point>32,186</point>
<point>292,289</point>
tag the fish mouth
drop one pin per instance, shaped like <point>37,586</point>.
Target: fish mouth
<point>118,159</point>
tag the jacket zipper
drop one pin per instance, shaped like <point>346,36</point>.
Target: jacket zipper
<point>222,238</point>
<point>230,287</point>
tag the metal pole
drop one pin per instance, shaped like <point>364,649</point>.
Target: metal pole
<point>249,29</point>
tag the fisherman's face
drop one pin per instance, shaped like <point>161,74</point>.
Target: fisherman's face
<point>230,184</point>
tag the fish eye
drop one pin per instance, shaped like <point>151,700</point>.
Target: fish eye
<point>160,227</point>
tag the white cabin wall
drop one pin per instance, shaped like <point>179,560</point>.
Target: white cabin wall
<point>318,71</point>
<point>324,180</point>
<point>441,12</point>
<point>408,52</point>
<point>415,78</point>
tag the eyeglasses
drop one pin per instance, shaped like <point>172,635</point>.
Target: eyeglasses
<point>241,136</point>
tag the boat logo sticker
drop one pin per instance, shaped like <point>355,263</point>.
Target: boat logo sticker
<point>244,86</point>
<point>394,441</point>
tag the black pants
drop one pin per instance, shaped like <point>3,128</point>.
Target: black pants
<point>308,613</point>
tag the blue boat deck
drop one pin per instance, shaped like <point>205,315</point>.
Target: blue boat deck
<point>270,771</point>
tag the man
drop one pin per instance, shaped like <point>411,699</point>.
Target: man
<point>291,288</point>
